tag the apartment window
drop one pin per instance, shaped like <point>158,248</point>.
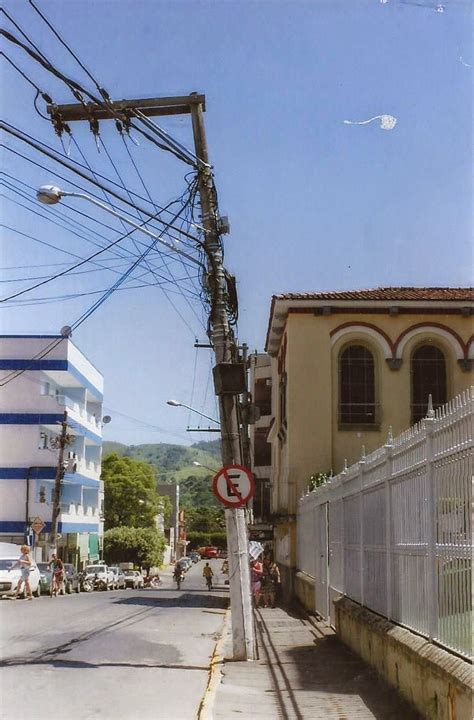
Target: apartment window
<point>357,386</point>
<point>262,451</point>
<point>261,500</point>
<point>428,377</point>
<point>263,396</point>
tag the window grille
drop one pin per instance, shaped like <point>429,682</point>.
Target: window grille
<point>428,377</point>
<point>357,404</point>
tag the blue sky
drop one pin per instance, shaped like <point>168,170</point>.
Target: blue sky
<point>313,203</point>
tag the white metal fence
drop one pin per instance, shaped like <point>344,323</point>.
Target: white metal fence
<point>393,531</point>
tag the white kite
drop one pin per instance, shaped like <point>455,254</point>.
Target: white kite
<point>387,122</point>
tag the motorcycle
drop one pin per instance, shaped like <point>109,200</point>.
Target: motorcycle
<point>151,581</point>
<point>99,583</point>
<point>178,578</point>
<point>85,583</point>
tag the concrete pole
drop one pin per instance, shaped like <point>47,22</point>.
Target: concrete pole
<point>243,634</point>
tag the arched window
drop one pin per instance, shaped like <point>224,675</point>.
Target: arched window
<point>357,386</point>
<point>428,377</point>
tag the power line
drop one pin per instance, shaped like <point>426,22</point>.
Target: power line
<point>54,247</point>
<point>13,375</point>
<point>74,296</point>
<point>166,265</point>
<point>77,89</point>
<point>48,151</point>
<point>72,209</point>
<point>53,30</point>
<point>73,267</point>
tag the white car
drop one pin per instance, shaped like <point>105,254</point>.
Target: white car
<point>103,572</point>
<point>9,577</point>
<point>133,579</point>
<point>119,578</point>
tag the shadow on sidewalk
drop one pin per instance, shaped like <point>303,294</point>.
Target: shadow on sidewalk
<point>326,667</point>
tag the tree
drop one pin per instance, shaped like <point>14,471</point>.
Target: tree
<point>205,519</point>
<point>318,479</point>
<point>130,496</point>
<point>140,546</point>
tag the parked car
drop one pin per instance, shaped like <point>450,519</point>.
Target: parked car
<point>210,552</point>
<point>71,578</point>
<point>195,557</point>
<point>46,577</point>
<point>119,578</point>
<point>9,577</point>
<point>103,572</point>
<point>131,579</point>
<point>140,579</point>
<point>185,563</point>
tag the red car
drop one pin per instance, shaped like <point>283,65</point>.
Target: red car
<point>210,552</point>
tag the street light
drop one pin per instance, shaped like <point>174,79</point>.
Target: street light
<point>176,403</point>
<point>50,195</point>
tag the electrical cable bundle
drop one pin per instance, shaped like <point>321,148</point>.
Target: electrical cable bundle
<point>183,228</point>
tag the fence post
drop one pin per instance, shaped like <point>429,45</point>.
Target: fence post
<point>388,520</point>
<point>361,524</point>
<point>432,525</point>
<point>343,530</point>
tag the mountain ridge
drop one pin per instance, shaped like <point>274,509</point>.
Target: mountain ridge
<point>174,463</point>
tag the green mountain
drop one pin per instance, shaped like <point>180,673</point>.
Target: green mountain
<point>174,463</point>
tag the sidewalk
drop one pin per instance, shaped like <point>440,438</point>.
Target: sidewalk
<point>303,673</point>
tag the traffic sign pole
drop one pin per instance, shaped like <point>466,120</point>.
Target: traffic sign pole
<point>233,486</point>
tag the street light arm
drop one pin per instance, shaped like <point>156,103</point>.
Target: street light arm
<point>50,195</point>
<point>176,403</point>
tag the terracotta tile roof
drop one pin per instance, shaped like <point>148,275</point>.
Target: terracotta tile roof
<point>381,294</point>
<point>388,293</point>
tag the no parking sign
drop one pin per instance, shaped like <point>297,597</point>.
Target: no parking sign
<point>233,485</point>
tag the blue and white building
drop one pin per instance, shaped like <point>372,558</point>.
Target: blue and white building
<point>41,377</point>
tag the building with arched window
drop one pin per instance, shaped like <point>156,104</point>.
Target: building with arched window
<point>346,368</point>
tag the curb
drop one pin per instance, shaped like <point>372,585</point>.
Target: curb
<point>214,679</point>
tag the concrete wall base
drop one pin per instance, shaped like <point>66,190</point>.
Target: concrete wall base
<point>304,590</point>
<point>287,579</point>
<point>436,682</point>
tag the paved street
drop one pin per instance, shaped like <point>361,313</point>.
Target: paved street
<point>125,654</point>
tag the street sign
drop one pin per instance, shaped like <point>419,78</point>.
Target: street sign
<point>233,485</point>
<point>37,525</point>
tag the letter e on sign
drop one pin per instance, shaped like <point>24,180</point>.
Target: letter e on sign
<point>233,485</point>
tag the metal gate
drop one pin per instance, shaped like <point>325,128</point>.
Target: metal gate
<point>321,579</point>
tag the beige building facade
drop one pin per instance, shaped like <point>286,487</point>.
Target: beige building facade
<point>348,368</point>
<point>260,383</point>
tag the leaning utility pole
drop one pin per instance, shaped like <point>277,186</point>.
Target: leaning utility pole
<point>221,337</point>
<point>59,443</point>
<point>237,537</point>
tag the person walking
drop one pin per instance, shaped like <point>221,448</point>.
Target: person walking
<point>25,563</point>
<point>208,575</point>
<point>256,571</point>
<point>270,581</point>
<point>57,569</point>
